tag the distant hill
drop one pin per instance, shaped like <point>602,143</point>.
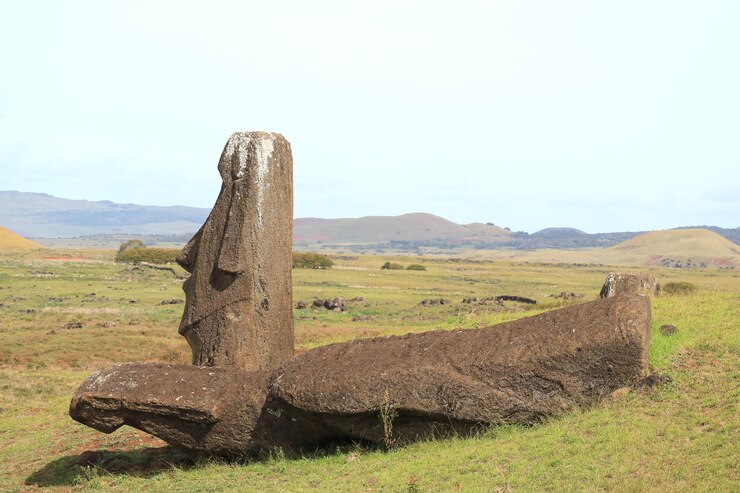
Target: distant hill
<point>559,233</point>
<point>674,248</point>
<point>679,248</point>
<point>38,215</point>
<point>11,242</point>
<point>408,228</point>
<point>732,234</point>
<point>104,224</point>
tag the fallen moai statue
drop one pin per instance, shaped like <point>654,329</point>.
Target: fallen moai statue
<point>436,382</point>
<point>618,283</point>
<point>244,392</point>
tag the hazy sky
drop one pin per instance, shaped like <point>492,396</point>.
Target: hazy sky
<point>605,116</point>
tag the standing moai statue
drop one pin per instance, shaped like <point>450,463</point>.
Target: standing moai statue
<point>238,309</point>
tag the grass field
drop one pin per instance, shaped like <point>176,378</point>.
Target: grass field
<point>65,314</point>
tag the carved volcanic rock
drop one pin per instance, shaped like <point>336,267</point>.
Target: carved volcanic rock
<point>238,298</point>
<point>517,372</point>
<point>618,283</point>
<point>200,408</point>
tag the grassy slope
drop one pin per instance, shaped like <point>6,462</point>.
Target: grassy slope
<point>680,438</point>
<point>11,242</point>
<point>701,245</point>
<point>692,243</point>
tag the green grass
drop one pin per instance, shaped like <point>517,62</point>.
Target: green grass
<point>680,437</point>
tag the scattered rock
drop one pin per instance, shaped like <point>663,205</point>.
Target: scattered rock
<point>434,301</point>
<point>132,301</point>
<point>566,295</point>
<point>362,318</point>
<point>51,332</point>
<point>356,299</point>
<point>518,299</point>
<point>101,299</point>
<point>74,325</point>
<point>334,304</point>
<point>300,305</point>
<point>668,329</point>
<point>653,380</point>
<point>58,299</point>
<point>107,325</point>
<point>173,301</point>
<point>28,310</point>
<point>498,299</point>
<point>618,283</point>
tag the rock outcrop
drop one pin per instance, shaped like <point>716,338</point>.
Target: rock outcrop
<point>436,382</point>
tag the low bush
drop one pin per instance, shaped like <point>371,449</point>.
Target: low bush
<point>416,267</point>
<point>307,260</point>
<point>391,266</point>
<point>680,287</point>
<point>151,255</point>
<point>130,245</point>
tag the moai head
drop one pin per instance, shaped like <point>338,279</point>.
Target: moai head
<point>238,298</point>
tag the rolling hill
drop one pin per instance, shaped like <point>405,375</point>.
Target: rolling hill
<point>48,219</point>
<point>677,248</point>
<point>415,227</point>
<point>694,246</point>
<point>38,215</point>
<point>11,242</point>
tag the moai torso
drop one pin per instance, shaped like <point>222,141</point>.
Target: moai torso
<point>238,298</point>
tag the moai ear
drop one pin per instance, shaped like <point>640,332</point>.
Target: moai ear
<point>230,256</point>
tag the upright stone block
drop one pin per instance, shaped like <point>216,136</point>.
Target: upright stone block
<point>619,283</point>
<point>238,309</point>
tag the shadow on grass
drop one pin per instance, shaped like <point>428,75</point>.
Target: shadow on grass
<point>149,461</point>
<point>142,462</point>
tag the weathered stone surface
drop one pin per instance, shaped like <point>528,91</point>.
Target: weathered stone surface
<point>517,372</point>
<point>618,283</point>
<point>238,296</point>
<point>199,408</point>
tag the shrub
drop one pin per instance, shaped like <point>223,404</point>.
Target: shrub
<point>391,266</point>
<point>144,254</point>
<point>416,267</point>
<point>309,260</point>
<point>681,287</point>
<point>130,244</point>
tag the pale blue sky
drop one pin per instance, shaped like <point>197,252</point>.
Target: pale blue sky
<point>605,116</point>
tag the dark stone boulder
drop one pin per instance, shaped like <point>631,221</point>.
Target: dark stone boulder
<point>668,329</point>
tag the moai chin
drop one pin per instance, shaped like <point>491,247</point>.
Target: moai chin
<point>238,309</point>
